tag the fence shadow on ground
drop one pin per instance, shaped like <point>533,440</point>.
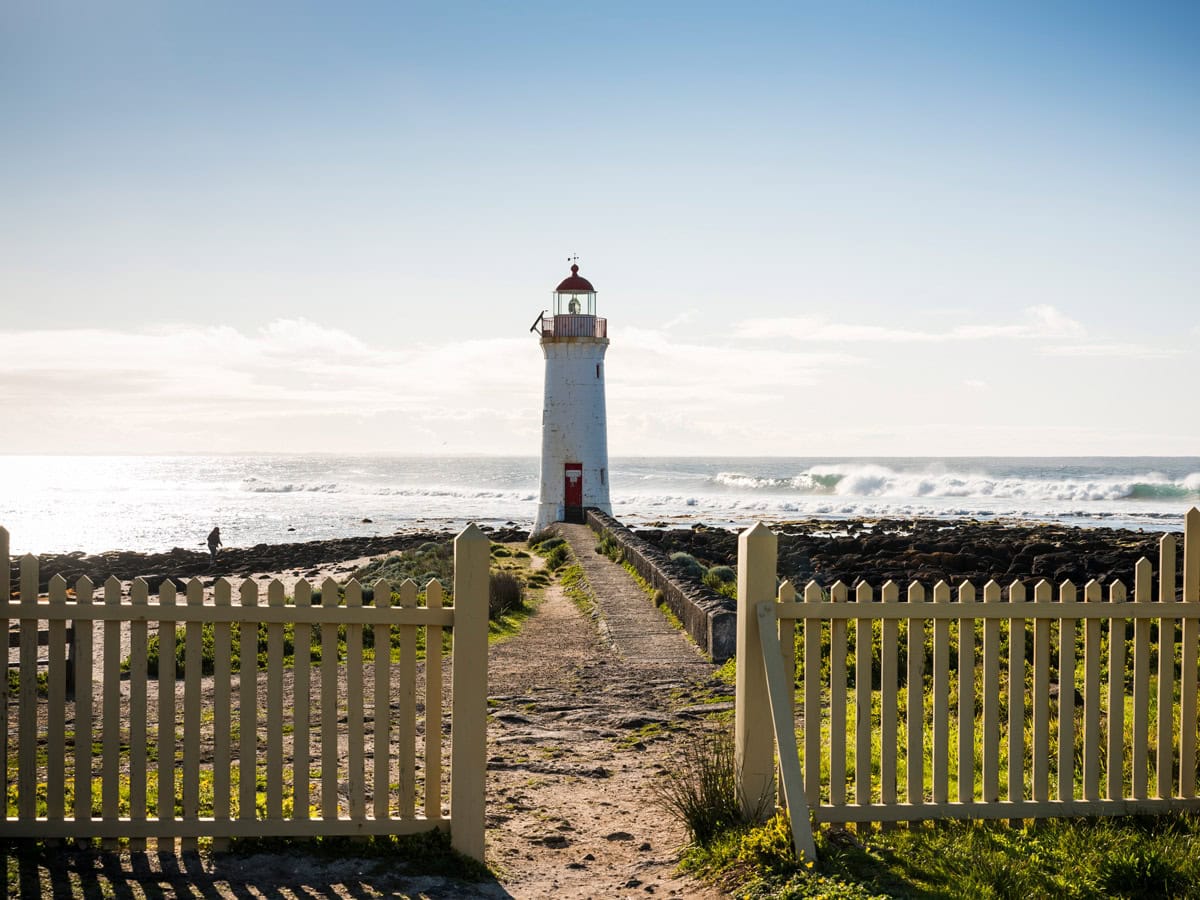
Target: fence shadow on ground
<point>44,871</point>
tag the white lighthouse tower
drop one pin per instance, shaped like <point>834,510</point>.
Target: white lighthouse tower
<point>574,425</point>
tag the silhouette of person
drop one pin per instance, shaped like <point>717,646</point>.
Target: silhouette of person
<point>214,541</point>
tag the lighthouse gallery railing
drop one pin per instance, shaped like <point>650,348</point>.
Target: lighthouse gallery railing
<point>573,326</point>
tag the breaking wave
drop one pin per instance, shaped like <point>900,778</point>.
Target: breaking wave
<point>868,480</point>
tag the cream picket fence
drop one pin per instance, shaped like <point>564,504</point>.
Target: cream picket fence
<point>1043,715</point>
<point>225,745</point>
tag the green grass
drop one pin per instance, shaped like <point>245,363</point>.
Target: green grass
<point>1079,858</point>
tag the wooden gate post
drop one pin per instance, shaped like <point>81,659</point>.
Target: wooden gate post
<point>468,747</point>
<point>754,738</point>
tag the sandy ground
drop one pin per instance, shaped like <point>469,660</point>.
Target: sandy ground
<point>586,712</point>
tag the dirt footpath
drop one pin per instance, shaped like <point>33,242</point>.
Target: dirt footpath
<point>585,712</point>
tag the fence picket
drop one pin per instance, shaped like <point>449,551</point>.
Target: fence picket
<point>1166,666</point>
<point>356,775</point>
<point>1142,574</point>
<point>248,703</point>
<point>1091,697</point>
<point>812,700</point>
<point>838,688</point>
<point>56,699</point>
<point>941,699</point>
<point>863,642</point>
<point>786,634</point>
<point>166,711</point>
<point>110,778</point>
<point>1016,697</point>
<point>139,597</point>
<point>433,707</point>
<point>193,636</point>
<point>1066,697</point>
<point>381,708</point>
<point>329,705</point>
<point>275,706</point>
<point>888,701</point>
<point>222,713</point>
<point>27,696</point>
<point>301,700</point>
<point>406,696</point>
<point>1189,652</point>
<point>915,699</point>
<point>1042,594</point>
<point>991,699</point>
<point>1116,697</point>
<point>83,702</point>
<point>966,694</point>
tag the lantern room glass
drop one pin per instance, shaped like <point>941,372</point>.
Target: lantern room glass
<point>575,303</point>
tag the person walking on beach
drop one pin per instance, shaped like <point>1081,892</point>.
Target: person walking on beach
<point>214,541</point>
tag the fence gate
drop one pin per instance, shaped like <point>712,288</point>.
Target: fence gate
<point>219,752</point>
<point>1003,703</point>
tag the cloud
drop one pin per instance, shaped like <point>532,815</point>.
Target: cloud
<point>1111,350</point>
<point>1040,322</point>
<point>167,381</point>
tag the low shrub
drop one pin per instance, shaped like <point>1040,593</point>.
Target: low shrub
<point>722,574</point>
<point>689,564</point>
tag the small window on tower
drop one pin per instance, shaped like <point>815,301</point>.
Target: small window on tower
<point>602,476</point>
<point>597,370</point>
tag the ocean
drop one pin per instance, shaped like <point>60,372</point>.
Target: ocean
<point>151,503</point>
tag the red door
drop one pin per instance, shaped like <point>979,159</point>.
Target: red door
<point>573,492</point>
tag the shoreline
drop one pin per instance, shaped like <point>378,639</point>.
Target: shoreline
<point>310,559</point>
<point>928,550</point>
<point>874,549</point>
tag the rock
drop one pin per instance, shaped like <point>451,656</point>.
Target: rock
<point>619,836</point>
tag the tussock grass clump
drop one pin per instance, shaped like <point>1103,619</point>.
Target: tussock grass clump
<point>543,539</point>
<point>701,789</point>
<point>557,557</point>
<point>506,593</point>
<point>610,547</point>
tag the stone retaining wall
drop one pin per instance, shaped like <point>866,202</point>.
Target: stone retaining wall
<point>707,616</point>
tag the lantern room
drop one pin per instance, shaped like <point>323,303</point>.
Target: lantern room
<point>575,296</point>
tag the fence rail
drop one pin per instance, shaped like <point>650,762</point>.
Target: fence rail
<point>218,753</point>
<point>988,704</point>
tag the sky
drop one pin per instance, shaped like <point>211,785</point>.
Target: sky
<point>857,228</point>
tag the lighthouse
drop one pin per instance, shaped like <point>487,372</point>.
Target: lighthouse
<point>574,425</point>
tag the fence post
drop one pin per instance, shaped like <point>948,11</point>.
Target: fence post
<point>468,748</point>
<point>754,739</point>
<point>1191,640</point>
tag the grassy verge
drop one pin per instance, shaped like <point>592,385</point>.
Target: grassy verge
<point>1070,858</point>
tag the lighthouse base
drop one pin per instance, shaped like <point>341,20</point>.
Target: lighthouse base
<point>549,513</point>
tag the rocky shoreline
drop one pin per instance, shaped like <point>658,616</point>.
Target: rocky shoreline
<point>902,550</point>
<point>179,563</point>
<point>929,550</point>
